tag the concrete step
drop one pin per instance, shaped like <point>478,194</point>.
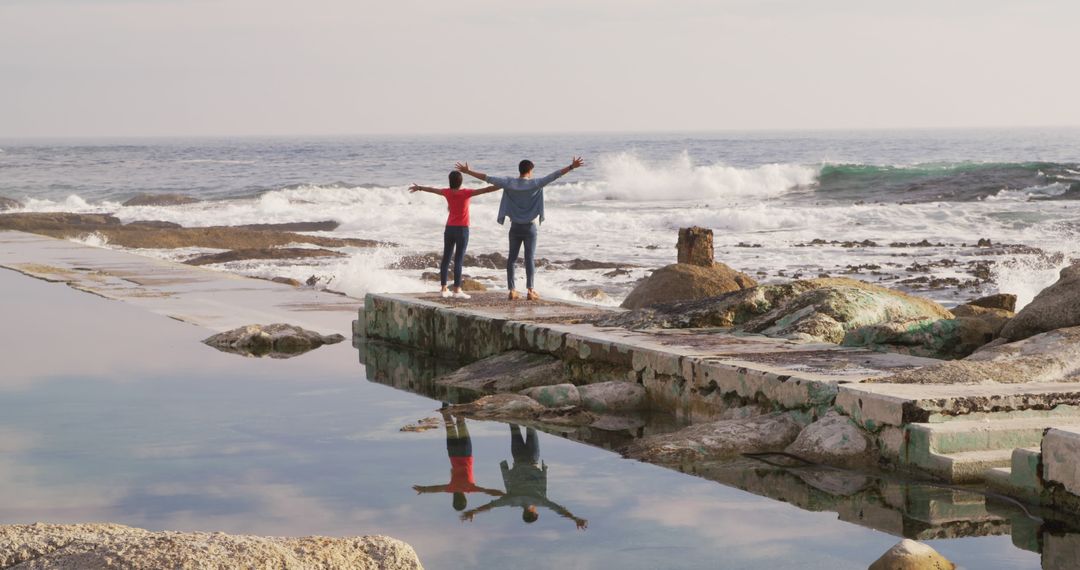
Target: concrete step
<point>965,466</point>
<point>957,436</point>
<point>1020,479</point>
<point>876,405</point>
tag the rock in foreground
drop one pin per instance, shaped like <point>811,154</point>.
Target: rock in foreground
<point>683,281</point>
<point>101,546</point>
<point>911,555</point>
<point>277,340</point>
<point>834,440</point>
<point>1056,307</point>
<point>716,440</point>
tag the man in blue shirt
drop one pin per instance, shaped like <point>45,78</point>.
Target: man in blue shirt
<point>523,203</point>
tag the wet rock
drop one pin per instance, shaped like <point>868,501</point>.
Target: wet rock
<point>277,340</point>
<point>583,264</point>
<point>1003,301</point>
<point>594,294</point>
<point>159,200</point>
<point>500,406</point>
<point>1057,306</point>
<point>265,253</point>
<point>9,203</point>
<point>155,224</point>
<point>511,371</point>
<point>323,226</point>
<point>65,226</point>
<point>100,546</point>
<point>943,339</point>
<point>1048,357</point>
<point>287,281</point>
<point>617,273</point>
<point>725,438</point>
<point>695,246</point>
<point>606,397</point>
<point>557,396</point>
<point>911,555</point>
<point>473,285</point>
<point>834,440</point>
<point>422,425</point>
<point>683,281</point>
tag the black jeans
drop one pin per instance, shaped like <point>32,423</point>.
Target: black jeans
<point>521,234</point>
<point>525,449</point>
<point>455,240</point>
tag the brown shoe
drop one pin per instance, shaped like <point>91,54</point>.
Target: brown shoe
<point>532,296</point>
<point>514,295</point>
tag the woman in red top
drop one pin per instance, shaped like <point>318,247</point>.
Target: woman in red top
<point>456,235</point>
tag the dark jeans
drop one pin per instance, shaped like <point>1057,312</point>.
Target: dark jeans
<point>519,234</point>
<point>455,240</point>
<point>525,450</point>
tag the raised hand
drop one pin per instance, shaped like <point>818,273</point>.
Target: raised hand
<point>414,188</point>
<point>462,167</point>
<point>467,517</point>
<point>582,523</point>
<point>577,162</point>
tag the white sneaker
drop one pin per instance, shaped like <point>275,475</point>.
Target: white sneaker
<point>462,295</point>
<point>446,294</point>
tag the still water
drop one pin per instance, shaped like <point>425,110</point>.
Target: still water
<point>112,414</point>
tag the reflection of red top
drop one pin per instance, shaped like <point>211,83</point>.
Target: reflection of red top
<point>459,206</point>
<point>461,476</point>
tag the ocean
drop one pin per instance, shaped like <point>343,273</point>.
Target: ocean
<point>906,209</point>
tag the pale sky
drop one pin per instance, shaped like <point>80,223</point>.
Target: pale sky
<point>265,67</point>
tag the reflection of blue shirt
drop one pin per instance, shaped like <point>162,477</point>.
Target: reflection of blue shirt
<point>522,198</point>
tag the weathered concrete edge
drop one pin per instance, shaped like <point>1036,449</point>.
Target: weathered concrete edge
<point>676,382</point>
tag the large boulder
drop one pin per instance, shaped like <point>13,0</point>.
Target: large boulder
<point>834,440</point>
<point>615,396</point>
<point>1049,357</point>
<point>824,308</point>
<point>500,407</point>
<point>1056,307</point>
<point>511,371</point>
<point>1002,301</point>
<point>278,340</point>
<point>828,312</point>
<point>715,440</point>
<point>9,203</point>
<point>683,281</point>
<point>695,246</point>
<point>944,338</point>
<point>103,546</point>
<point>557,396</point>
<point>159,200</point>
<point>995,319</point>
<point>911,555</point>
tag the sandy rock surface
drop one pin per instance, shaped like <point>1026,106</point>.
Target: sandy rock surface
<point>911,555</point>
<point>101,546</point>
<point>683,281</point>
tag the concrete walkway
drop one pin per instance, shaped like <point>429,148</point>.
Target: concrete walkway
<point>216,300</point>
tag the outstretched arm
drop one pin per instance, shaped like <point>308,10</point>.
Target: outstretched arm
<point>468,515</point>
<point>463,167</point>
<point>420,489</point>
<point>486,190</point>
<point>576,163</point>
<point>561,511</point>
<point>418,188</point>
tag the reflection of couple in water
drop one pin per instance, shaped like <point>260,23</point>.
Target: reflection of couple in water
<point>525,482</point>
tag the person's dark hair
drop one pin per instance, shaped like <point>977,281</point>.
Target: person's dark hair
<point>525,167</point>
<point>460,502</point>
<point>455,179</point>
<point>529,516</point>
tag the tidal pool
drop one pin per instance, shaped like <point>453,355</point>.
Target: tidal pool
<point>112,414</point>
